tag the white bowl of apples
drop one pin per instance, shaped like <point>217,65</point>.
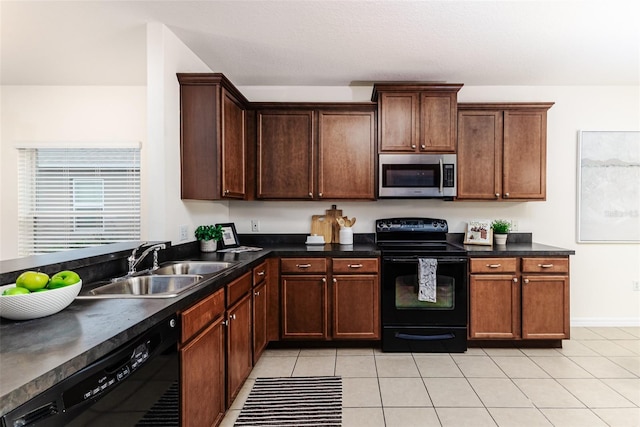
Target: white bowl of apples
<point>36,295</point>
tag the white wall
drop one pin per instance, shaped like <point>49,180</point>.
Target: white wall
<point>601,274</point>
<point>55,114</point>
<point>166,56</point>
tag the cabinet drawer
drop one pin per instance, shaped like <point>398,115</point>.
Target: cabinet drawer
<point>259,273</point>
<point>199,315</point>
<point>545,265</point>
<point>355,265</point>
<point>303,265</point>
<point>492,265</point>
<point>237,288</point>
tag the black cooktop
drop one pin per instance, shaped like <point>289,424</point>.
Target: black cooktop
<point>417,235</point>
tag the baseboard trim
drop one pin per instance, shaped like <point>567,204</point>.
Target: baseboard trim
<point>605,321</point>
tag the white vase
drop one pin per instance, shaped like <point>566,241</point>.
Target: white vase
<point>501,239</point>
<point>208,245</point>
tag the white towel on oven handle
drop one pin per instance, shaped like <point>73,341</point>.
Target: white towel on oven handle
<point>427,279</point>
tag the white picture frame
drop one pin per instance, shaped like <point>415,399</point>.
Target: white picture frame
<point>478,232</point>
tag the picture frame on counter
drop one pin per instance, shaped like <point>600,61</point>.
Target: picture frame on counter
<point>478,232</point>
<point>229,236</point>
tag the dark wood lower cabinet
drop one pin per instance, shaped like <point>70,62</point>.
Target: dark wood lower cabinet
<point>356,307</point>
<point>259,320</point>
<point>202,362</point>
<point>239,351</point>
<point>202,378</point>
<point>304,307</point>
<point>519,299</point>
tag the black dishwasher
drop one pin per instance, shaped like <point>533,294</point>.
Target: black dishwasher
<point>135,385</point>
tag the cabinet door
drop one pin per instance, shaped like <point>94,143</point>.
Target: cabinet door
<point>233,147</point>
<point>239,357</point>
<point>285,159</point>
<point>479,154</point>
<point>494,303</point>
<point>438,113</point>
<point>346,168</point>
<point>525,155</point>
<point>304,303</point>
<point>545,307</point>
<point>398,112</point>
<point>202,376</point>
<point>199,148</point>
<point>259,320</point>
<point>356,305</point>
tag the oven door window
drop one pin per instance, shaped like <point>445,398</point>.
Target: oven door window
<point>406,292</point>
<point>410,175</point>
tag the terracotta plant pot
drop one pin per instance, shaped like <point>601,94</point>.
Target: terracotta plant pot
<point>208,245</point>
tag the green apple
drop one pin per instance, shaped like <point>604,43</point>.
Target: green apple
<point>63,278</point>
<point>32,280</point>
<point>15,291</point>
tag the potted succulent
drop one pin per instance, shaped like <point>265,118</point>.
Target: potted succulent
<point>208,235</point>
<point>501,229</point>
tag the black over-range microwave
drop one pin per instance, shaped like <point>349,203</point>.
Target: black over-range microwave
<point>417,176</point>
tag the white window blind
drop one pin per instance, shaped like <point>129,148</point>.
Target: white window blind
<point>73,198</point>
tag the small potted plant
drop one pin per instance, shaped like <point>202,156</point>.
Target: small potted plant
<point>501,229</point>
<point>208,235</point>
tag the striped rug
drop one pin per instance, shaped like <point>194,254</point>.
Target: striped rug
<point>295,401</point>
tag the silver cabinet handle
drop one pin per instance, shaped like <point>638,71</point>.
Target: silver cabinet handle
<point>319,194</point>
<point>497,195</point>
<point>232,317</point>
<point>413,145</point>
<point>335,280</point>
<point>515,280</point>
<point>506,195</point>
<point>324,280</point>
<point>494,265</point>
<point>310,194</point>
<point>225,322</point>
<point>303,265</point>
<point>354,265</point>
<point>260,273</point>
<point>423,146</point>
<point>526,281</point>
<point>545,265</point>
<point>257,293</point>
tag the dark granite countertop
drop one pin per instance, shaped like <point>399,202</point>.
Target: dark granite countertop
<point>38,353</point>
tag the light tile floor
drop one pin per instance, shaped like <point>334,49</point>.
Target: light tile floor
<point>594,380</point>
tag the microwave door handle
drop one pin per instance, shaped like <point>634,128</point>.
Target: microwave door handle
<point>441,176</point>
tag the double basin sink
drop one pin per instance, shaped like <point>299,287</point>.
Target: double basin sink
<point>167,281</point>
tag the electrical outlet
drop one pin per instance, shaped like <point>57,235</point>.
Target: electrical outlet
<point>184,233</point>
<point>255,225</point>
<point>514,225</point>
<point>635,285</point>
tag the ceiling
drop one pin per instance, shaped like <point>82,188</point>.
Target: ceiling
<point>328,43</point>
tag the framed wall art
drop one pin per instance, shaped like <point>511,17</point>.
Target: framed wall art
<point>608,191</point>
<point>479,232</point>
<point>229,236</point>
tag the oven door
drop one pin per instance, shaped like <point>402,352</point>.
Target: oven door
<point>410,324</point>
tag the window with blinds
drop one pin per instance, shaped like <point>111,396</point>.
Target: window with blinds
<point>73,198</point>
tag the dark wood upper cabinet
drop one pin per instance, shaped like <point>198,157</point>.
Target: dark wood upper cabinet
<point>213,141</point>
<point>502,150</point>
<point>315,151</point>
<point>416,117</point>
<point>285,154</point>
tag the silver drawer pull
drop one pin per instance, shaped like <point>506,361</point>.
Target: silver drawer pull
<point>545,265</point>
<point>260,273</point>
<point>303,265</point>
<point>354,265</point>
<point>257,293</point>
<point>494,265</point>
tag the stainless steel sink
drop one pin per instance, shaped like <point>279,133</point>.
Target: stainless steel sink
<point>149,286</point>
<point>194,267</point>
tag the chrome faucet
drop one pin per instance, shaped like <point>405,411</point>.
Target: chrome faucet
<point>133,261</point>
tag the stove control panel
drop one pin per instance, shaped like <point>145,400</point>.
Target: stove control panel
<point>423,225</point>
